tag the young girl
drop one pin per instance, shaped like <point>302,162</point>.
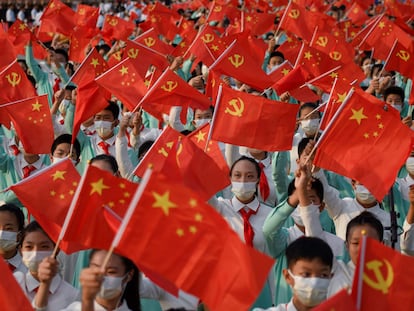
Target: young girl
<point>35,246</point>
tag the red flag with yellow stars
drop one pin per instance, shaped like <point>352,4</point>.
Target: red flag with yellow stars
<point>100,207</point>
<point>361,143</point>
<point>177,235</point>
<point>57,185</point>
<point>33,123</point>
<point>79,41</point>
<point>386,278</point>
<point>19,34</point>
<point>93,66</point>
<point>246,120</point>
<point>57,18</point>
<point>14,84</point>
<point>87,15</point>
<point>290,48</point>
<point>259,23</point>
<point>341,301</point>
<point>116,28</point>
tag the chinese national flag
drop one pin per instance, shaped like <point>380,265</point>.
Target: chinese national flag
<point>357,14</point>
<point>341,301</point>
<point>11,295</point>
<point>248,120</point>
<point>79,41</point>
<point>58,18</point>
<point>92,66</point>
<point>259,23</point>
<point>151,40</point>
<point>361,144</point>
<point>386,278</point>
<point>290,48</point>
<point>8,54</point>
<point>117,28</point>
<point>87,15</point>
<point>196,249</point>
<point>14,84</point>
<point>57,184</point>
<point>33,123</point>
<point>292,80</point>
<point>19,34</point>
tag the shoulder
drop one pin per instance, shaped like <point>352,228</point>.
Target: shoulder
<point>75,306</point>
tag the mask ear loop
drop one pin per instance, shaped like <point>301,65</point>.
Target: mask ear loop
<point>118,303</point>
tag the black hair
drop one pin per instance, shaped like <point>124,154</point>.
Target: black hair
<point>365,218</point>
<point>131,292</point>
<point>309,248</point>
<point>33,226</point>
<point>108,159</point>
<point>276,53</point>
<point>144,147</point>
<point>185,132</point>
<point>64,53</point>
<point>316,185</point>
<point>104,47</point>
<point>66,138</point>
<point>376,66</point>
<point>113,108</point>
<point>394,90</point>
<point>302,145</point>
<point>251,160</point>
<point>16,211</point>
<point>311,105</point>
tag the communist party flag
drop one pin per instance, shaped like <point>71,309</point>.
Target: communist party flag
<point>11,294</point>
<point>151,40</point>
<point>386,278</point>
<point>57,184</point>
<point>196,249</point>
<point>19,34</point>
<point>92,66</point>
<point>341,301</point>
<point>87,15</point>
<point>8,53</point>
<point>246,120</point>
<point>117,28</point>
<point>33,123</point>
<point>57,17</point>
<point>361,144</point>
<point>400,59</point>
<point>14,84</point>
<point>145,54</point>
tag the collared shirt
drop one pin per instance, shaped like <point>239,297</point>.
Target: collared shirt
<point>95,140</point>
<point>20,163</point>
<point>77,306</point>
<point>17,262</point>
<point>268,171</point>
<point>342,278</point>
<point>282,307</point>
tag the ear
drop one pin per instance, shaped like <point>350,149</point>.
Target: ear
<point>289,280</point>
<point>322,207</point>
<point>116,122</point>
<point>130,275</point>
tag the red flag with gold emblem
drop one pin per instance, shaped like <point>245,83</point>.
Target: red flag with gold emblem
<point>92,66</point>
<point>385,282</point>
<point>117,28</point>
<point>145,54</point>
<point>197,259</point>
<point>151,39</point>
<point>246,120</point>
<point>57,18</point>
<point>400,60</point>
<point>14,84</point>
<point>33,123</point>
<point>342,301</point>
<point>361,144</point>
<point>87,15</point>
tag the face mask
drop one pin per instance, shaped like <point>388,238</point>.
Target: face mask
<point>363,195</point>
<point>296,217</point>
<point>32,259</point>
<point>397,107</point>
<point>8,240</point>
<point>310,291</point>
<point>310,126</point>
<point>243,190</point>
<point>111,287</point>
<point>56,159</point>
<point>200,122</point>
<point>103,128</point>
<point>409,165</point>
<point>64,105</point>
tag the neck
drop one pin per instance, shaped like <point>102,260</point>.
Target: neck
<point>259,155</point>
<point>109,304</point>
<point>299,305</point>
<point>8,254</point>
<point>31,158</point>
<point>301,228</point>
<point>107,137</point>
<point>367,205</point>
<point>246,201</point>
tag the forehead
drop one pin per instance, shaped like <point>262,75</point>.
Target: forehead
<point>103,165</point>
<point>36,237</point>
<point>307,110</point>
<point>358,232</point>
<point>115,261</point>
<point>63,146</point>
<point>315,266</point>
<point>393,97</point>
<point>104,113</point>
<point>8,218</point>
<point>244,166</point>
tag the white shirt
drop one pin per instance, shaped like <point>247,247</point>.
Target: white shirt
<point>61,293</point>
<point>17,262</point>
<point>10,16</point>
<point>20,163</point>
<point>95,140</point>
<point>404,186</point>
<point>342,278</point>
<point>77,306</point>
<point>282,307</point>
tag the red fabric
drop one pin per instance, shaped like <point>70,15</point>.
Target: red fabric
<point>11,267</point>
<point>7,50</point>
<point>92,66</point>
<point>263,183</point>
<point>27,170</point>
<point>57,18</point>
<point>56,85</point>
<point>104,146</point>
<point>248,229</point>
<point>15,149</point>
<point>117,28</point>
<point>19,34</point>
<point>341,301</point>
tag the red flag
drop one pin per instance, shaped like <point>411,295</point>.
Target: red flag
<point>258,23</point>
<point>151,40</point>
<point>79,41</point>
<point>294,79</point>
<point>357,14</point>
<point>341,301</point>
<point>11,294</point>
<point>19,34</point>
<point>246,120</point>
<point>145,54</point>
<point>361,144</point>
<point>117,28</point>
<point>87,15</point>
<point>92,66</point>
<point>386,278</point>
<point>57,17</point>
<point>290,48</point>
<point>163,20</point>
<point>197,259</point>
<point>7,53</point>
<point>33,123</point>
<point>400,59</point>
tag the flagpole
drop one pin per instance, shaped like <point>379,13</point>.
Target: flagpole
<point>372,20</point>
<point>195,40</point>
<point>21,100</point>
<point>213,120</point>
<point>320,76</point>
<point>79,67</point>
<point>282,19</point>
<point>388,57</point>
<point>8,66</point>
<point>313,35</point>
<point>370,31</point>
<point>226,51</point>
<point>299,55</point>
<point>149,49</point>
<point>130,211</point>
<point>327,106</point>
<point>361,271</point>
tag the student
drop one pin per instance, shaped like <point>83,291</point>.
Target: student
<point>35,246</point>
<point>363,224</point>
<point>11,226</point>
<point>308,273</point>
<point>61,148</point>
<point>394,96</point>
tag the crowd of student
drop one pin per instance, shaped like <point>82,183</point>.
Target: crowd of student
<point>310,220</point>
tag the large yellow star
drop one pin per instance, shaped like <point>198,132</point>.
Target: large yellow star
<point>381,25</point>
<point>36,106</point>
<point>201,136</point>
<point>95,62</point>
<point>22,27</point>
<point>341,97</point>
<point>58,175</point>
<point>98,186</point>
<point>123,70</point>
<point>358,115</point>
<point>163,202</point>
<point>285,71</point>
<point>308,55</point>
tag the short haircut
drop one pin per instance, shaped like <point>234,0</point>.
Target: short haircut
<point>302,145</point>
<point>277,54</point>
<point>394,90</point>
<point>13,209</point>
<point>33,227</point>
<point>251,160</point>
<point>108,159</point>
<point>365,219</point>
<point>62,52</point>
<point>66,139</point>
<point>311,105</point>
<point>309,248</point>
<point>114,108</point>
<point>316,185</point>
<point>144,147</point>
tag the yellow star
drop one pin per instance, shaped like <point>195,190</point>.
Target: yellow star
<point>334,75</point>
<point>52,193</point>
<point>62,196</point>
<point>111,204</point>
<point>378,117</point>
<point>366,135</point>
<point>75,184</point>
<point>308,55</point>
<point>180,232</point>
<point>147,83</point>
<point>358,115</point>
<point>127,194</point>
<point>285,71</point>
<point>71,192</point>
<point>192,229</point>
<point>198,217</point>
<point>163,202</point>
<point>123,70</point>
<point>214,47</point>
<point>341,97</point>
<point>58,175</point>
<point>183,44</point>
<point>381,126</point>
<point>193,202</point>
<point>375,134</point>
<point>22,27</point>
<point>249,18</point>
<point>122,185</point>
<point>381,25</point>
<point>95,62</point>
<point>201,136</point>
<point>36,106</point>
<point>98,186</point>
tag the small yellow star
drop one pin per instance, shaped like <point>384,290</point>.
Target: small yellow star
<point>366,135</point>
<point>381,25</point>
<point>62,197</point>
<point>180,232</point>
<point>193,202</point>
<point>249,18</point>
<point>378,117</point>
<point>122,185</point>
<point>192,229</point>
<point>95,62</point>
<point>358,115</point>
<point>341,97</point>
<point>375,134</point>
<point>308,55</point>
<point>22,27</point>
<point>198,217</point>
<point>147,83</point>
<point>98,186</point>
<point>163,202</point>
<point>52,193</point>
<point>380,125</point>
<point>111,204</point>
<point>214,47</point>
<point>127,194</point>
<point>36,106</point>
<point>201,136</point>
<point>334,75</point>
<point>123,70</point>
<point>58,175</point>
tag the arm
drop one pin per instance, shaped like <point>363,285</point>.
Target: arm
<point>47,270</point>
<point>407,238</point>
<point>121,149</point>
<point>91,280</point>
<point>32,64</point>
<point>280,168</point>
<point>174,118</point>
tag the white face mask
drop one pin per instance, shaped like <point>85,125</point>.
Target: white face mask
<point>296,215</point>
<point>200,122</point>
<point>310,291</point>
<point>397,107</point>
<point>8,240</point>
<point>103,128</point>
<point>243,190</point>
<point>64,105</point>
<point>56,159</point>
<point>409,165</point>
<point>310,126</point>
<point>363,195</point>
<point>111,287</point>
<point>32,259</point>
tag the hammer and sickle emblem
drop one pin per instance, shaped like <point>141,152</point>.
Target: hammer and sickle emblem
<point>322,41</point>
<point>381,284</point>
<point>294,13</point>
<point>169,145</point>
<point>236,60</point>
<point>14,78</point>
<point>404,55</point>
<point>133,53</point>
<point>217,8</point>
<point>207,38</point>
<point>335,55</point>
<point>113,22</point>
<point>150,41</point>
<point>169,86</point>
<point>237,107</point>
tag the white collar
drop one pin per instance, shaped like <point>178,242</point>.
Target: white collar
<point>32,283</point>
<point>38,164</point>
<point>16,260</point>
<point>237,205</point>
<point>109,141</point>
